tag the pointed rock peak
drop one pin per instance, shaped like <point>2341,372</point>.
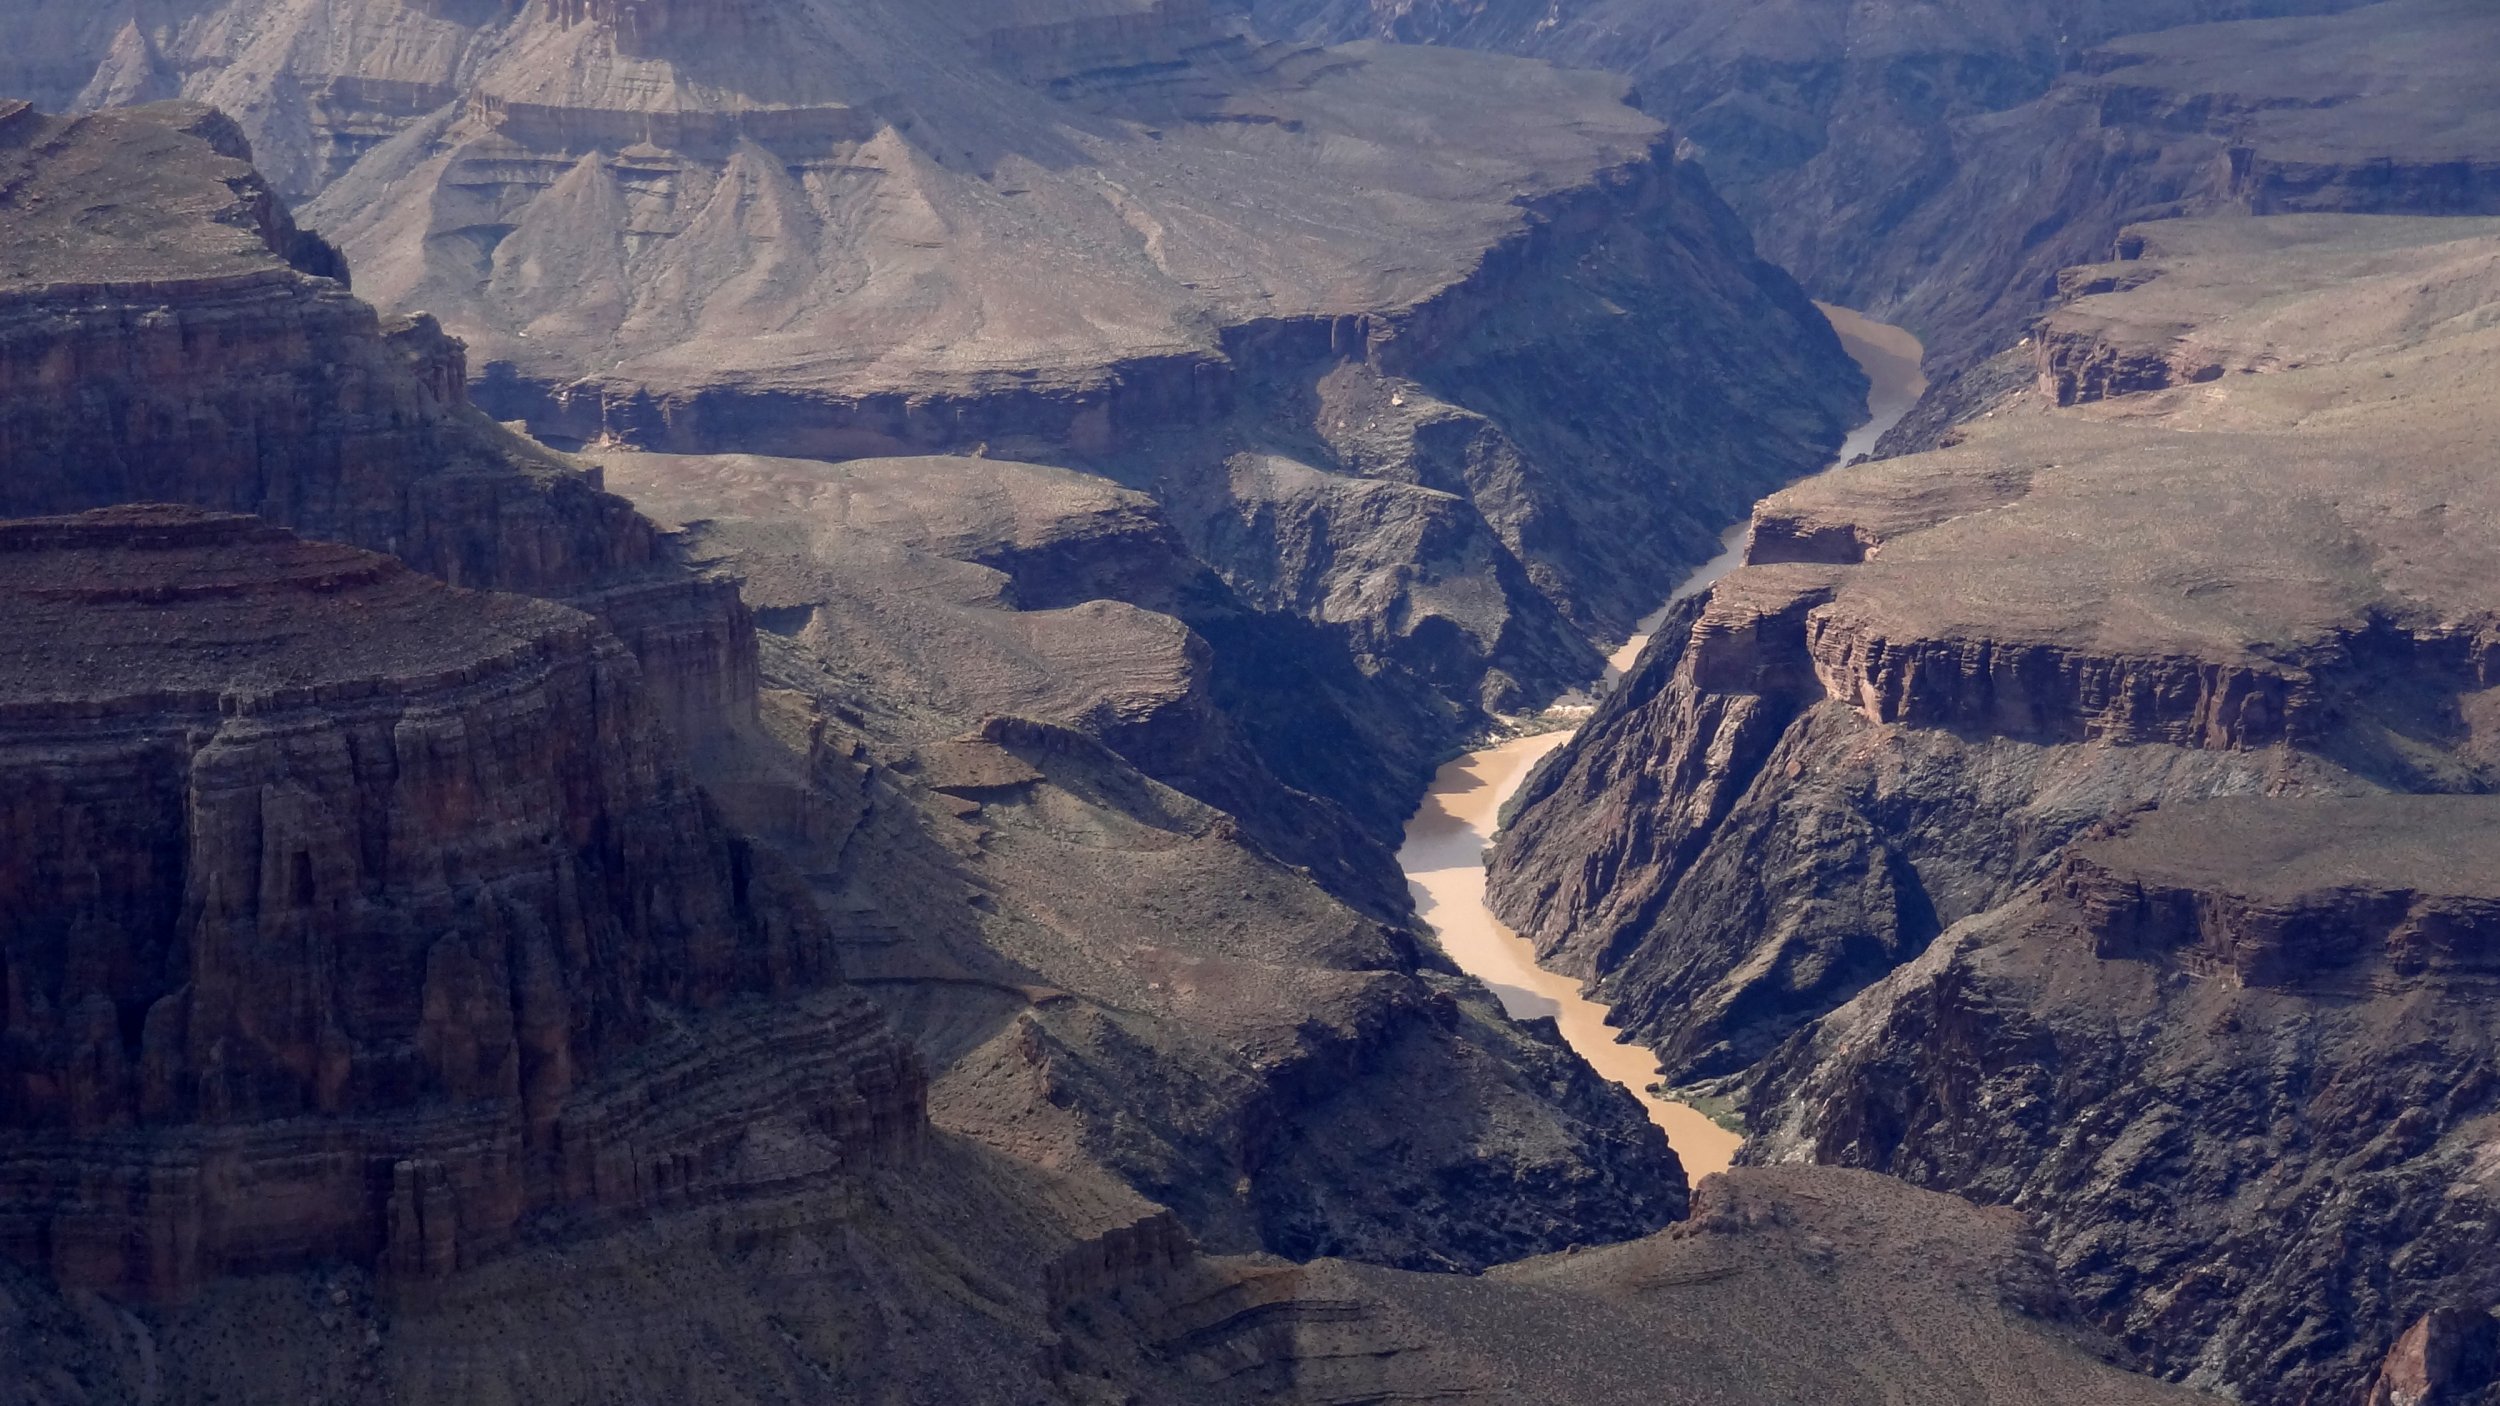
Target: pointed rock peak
<point>588,186</point>
<point>132,73</point>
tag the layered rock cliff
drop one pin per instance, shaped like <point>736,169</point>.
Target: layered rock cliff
<point>1940,674</point>
<point>2235,1059</point>
<point>344,915</point>
<point>932,793</point>
<point>1936,164</point>
<point>1446,364</point>
<point>167,334</point>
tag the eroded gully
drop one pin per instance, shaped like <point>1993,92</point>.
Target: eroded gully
<point>1443,855</point>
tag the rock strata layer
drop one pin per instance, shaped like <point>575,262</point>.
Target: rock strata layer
<point>167,334</point>
<point>1446,359</point>
<point>342,911</point>
<point>1832,849</point>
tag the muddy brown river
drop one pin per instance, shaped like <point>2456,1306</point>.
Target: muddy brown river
<point>1445,843</point>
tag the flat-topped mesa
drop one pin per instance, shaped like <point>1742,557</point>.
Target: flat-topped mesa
<point>2190,301</point>
<point>324,877</point>
<point>168,335</point>
<point>2352,894</point>
<point>2332,113</point>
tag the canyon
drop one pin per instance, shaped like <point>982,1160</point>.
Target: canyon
<point>1935,164</point>
<point>2067,817</point>
<point>1331,307</point>
<point>423,985</point>
<point>715,700</point>
<point>1447,840</point>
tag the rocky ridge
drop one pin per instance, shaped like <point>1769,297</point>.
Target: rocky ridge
<point>1336,312</point>
<point>1936,164</point>
<point>515,984</point>
<point>399,878</point>
<point>1829,851</point>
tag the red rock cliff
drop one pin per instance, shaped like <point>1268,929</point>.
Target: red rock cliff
<point>345,914</point>
<point>167,335</point>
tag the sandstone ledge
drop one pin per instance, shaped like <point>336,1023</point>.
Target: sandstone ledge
<point>2354,894</point>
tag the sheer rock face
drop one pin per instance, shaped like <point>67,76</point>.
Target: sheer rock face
<point>2236,1060</point>
<point>168,335</point>
<point>342,910</point>
<point>1114,235</point>
<point>962,589</point>
<point>2366,897</point>
<point>1941,676</point>
<point>1226,1009</point>
<point>1936,163</point>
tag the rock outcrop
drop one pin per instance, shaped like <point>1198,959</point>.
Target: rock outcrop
<point>167,334</point>
<point>2447,1356</point>
<point>1935,164</point>
<point>1445,363</point>
<point>2235,1061</point>
<point>1130,948</point>
<point>1943,675</point>
<point>341,912</point>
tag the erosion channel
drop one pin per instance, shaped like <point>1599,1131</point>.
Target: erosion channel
<point>1445,842</point>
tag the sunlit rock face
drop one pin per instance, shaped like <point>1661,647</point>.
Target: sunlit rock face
<point>1445,363</point>
<point>2068,816</point>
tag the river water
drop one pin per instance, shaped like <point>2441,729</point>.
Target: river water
<point>1445,843</point>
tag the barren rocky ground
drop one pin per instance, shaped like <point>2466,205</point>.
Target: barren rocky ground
<point>1354,316</point>
<point>553,988</point>
<point>2059,817</point>
<point>864,873</point>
